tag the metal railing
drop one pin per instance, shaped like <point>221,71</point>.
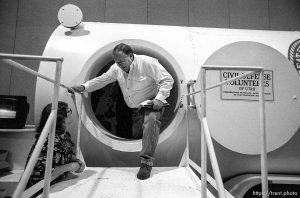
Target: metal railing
<point>50,126</point>
<point>206,140</point>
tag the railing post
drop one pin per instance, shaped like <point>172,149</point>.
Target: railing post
<point>190,104</point>
<point>203,142</point>
<point>213,159</point>
<point>6,58</point>
<point>78,152</point>
<point>185,161</point>
<point>264,165</point>
<point>34,156</point>
<point>205,134</point>
<point>191,98</point>
<point>52,132</point>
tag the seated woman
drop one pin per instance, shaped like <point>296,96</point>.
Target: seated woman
<point>64,158</point>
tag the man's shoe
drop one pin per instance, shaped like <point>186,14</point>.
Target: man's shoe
<point>144,172</point>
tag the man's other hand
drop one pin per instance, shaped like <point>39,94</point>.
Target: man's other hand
<point>157,104</point>
<point>78,88</point>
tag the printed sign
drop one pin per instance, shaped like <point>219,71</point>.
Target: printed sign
<point>246,88</point>
<point>294,54</point>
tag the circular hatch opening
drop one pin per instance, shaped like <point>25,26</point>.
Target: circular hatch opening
<point>105,108</point>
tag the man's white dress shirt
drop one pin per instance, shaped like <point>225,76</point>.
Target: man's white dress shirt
<point>146,79</point>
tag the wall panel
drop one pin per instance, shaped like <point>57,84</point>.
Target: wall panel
<point>209,13</point>
<point>93,10</point>
<point>8,19</point>
<point>284,15</point>
<point>38,13</point>
<point>33,32</point>
<point>168,12</point>
<point>130,11</point>
<point>31,42</point>
<point>245,14</point>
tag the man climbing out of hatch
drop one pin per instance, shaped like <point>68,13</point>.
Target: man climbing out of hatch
<point>142,80</point>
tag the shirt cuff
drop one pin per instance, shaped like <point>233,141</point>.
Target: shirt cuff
<point>160,97</point>
<point>86,87</point>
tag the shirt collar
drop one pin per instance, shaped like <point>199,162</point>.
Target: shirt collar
<point>134,60</point>
<point>133,63</point>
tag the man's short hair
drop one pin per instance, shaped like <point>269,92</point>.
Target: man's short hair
<point>126,49</point>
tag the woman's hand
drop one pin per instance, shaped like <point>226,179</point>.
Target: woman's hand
<point>81,166</point>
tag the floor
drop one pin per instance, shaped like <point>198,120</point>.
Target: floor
<point>122,182</point>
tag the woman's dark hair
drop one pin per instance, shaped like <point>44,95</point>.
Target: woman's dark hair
<point>126,49</point>
<point>61,117</point>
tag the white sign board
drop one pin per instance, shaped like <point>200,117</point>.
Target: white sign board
<point>246,88</point>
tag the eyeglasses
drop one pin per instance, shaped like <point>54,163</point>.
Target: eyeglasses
<point>69,111</point>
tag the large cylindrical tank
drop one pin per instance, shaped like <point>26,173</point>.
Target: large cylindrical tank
<point>233,119</point>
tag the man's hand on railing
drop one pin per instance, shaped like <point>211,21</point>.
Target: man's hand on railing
<point>78,88</point>
<point>77,165</point>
